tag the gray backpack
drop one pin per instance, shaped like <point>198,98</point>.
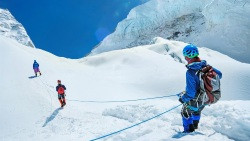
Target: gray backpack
<point>210,91</point>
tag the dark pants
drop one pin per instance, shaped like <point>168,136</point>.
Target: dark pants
<point>61,96</point>
<point>191,112</point>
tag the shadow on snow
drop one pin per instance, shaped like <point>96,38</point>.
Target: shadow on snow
<point>180,134</point>
<point>31,77</point>
<point>52,116</point>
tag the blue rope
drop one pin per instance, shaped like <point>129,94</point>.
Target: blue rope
<point>135,124</point>
<point>131,100</point>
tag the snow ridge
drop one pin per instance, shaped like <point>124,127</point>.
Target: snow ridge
<point>222,25</point>
<point>11,28</point>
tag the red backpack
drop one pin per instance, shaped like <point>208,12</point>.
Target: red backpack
<point>60,90</point>
<point>210,85</point>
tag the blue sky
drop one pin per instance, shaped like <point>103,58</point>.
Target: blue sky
<point>69,28</point>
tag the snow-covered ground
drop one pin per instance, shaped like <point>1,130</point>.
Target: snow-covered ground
<point>30,109</point>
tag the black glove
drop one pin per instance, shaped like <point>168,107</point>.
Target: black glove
<point>181,100</point>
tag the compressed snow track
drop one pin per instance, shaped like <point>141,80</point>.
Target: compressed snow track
<point>137,124</point>
<point>30,109</point>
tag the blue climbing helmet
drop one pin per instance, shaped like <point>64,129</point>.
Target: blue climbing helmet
<point>190,51</point>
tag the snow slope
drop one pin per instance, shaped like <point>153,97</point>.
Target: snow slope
<point>221,25</point>
<point>29,107</point>
<point>11,28</point>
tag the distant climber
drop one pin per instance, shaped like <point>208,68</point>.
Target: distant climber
<point>61,93</point>
<point>36,68</point>
<point>199,77</point>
